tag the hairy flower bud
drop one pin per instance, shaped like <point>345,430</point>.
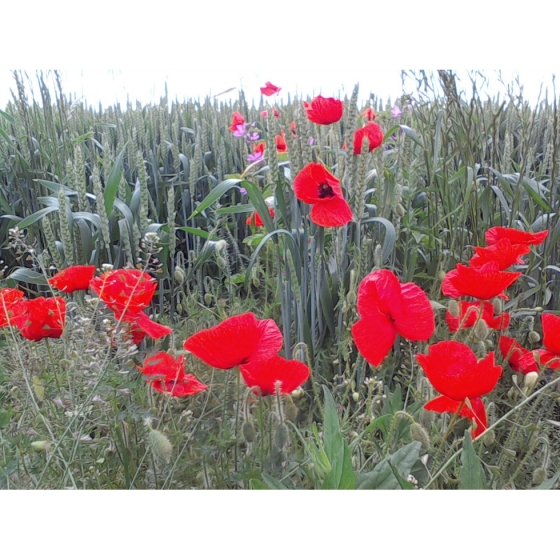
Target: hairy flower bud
<point>531,379</point>
<point>453,308</point>
<point>179,275</point>
<point>488,438</point>
<point>39,445</point>
<point>498,305</point>
<point>281,435</point>
<point>481,330</point>
<point>399,210</point>
<point>418,433</point>
<point>539,475</point>
<point>291,411</point>
<point>248,431</point>
<point>534,336</point>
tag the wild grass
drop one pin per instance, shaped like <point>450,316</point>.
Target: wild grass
<point>84,185</point>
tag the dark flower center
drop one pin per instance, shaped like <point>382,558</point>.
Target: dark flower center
<point>325,191</point>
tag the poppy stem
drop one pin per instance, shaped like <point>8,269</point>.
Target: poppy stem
<point>55,372</point>
<point>238,405</point>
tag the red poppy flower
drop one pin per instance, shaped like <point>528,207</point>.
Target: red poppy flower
<point>372,131</point>
<point>454,371</point>
<point>281,145</point>
<point>73,278</point>
<point>236,341</point>
<point>485,282</point>
<point>276,113</point>
<point>141,323</point>
<point>255,220</point>
<point>316,186</point>
<point>369,114</point>
<point>258,152</point>
<point>503,252</point>
<point>269,89</point>
<point>476,414</point>
<point>265,373</point>
<point>388,308</point>
<point>236,120</point>
<point>9,298</point>
<point>125,290</point>
<point>550,354</point>
<point>324,110</point>
<point>513,352</point>
<point>468,315</point>
<point>493,235</point>
<point>167,375</point>
<point>41,317</point>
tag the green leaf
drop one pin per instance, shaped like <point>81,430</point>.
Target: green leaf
<point>7,138</point>
<point>199,232</point>
<point>9,118</point>
<point>30,276</point>
<point>404,484</point>
<point>412,134</point>
<point>256,197</point>
<point>36,216</point>
<point>382,477</point>
<point>4,418</point>
<point>389,239</point>
<point>272,482</point>
<point>112,183</point>
<point>239,209</point>
<point>471,476</point>
<point>255,484</point>
<point>215,194</point>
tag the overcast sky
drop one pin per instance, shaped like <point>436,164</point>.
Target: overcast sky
<point>305,48</point>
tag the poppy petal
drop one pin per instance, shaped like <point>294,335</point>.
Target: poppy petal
<point>476,414</point>
<point>502,252</point>
<point>452,368</point>
<point>333,212</point>
<point>374,336</point>
<point>146,325</point>
<point>73,278</point>
<point>236,341</point>
<point>266,373</point>
<point>551,332</point>
<point>493,235</point>
<point>521,360</point>
<point>418,320</point>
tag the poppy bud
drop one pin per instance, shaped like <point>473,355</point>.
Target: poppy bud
<point>248,431</point>
<point>208,298</point>
<point>301,352</point>
<point>539,475</point>
<point>453,308</point>
<point>534,336</point>
<point>179,275</point>
<point>355,396</point>
<point>440,275</point>
<point>161,446</point>
<point>298,393</point>
<point>530,380</point>
<point>488,438</point>
<point>399,210</point>
<point>221,262</point>
<point>481,349</point>
<point>418,433</point>
<point>281,435</point>
<point>481,330</point>
<point>351,298</point>
<point>498,305</point>
<point>39,445</point>
<point>291,411</point>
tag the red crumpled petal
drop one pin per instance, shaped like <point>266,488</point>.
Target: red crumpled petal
<point>236,341</point>
<point>373,132</point>
<point>546,358</point>
<point>269,89</point>
<point>477,414</point>
<point>551,332</point>
<point>418,320</point>
<point>255,218</point>
<point>236,119</point>
<point>142,322</point>
<point>486,282</point>
<point>503,252</point>
<point>187,386</point>
<point>41,317</point>
<point>324,110</point>
<point>452,368</point>
<point>374,336</point>
<point>493,235</point>
<point>73,278</point>
<point>521,360</point>
<point>265,373</point>
<point>9,298</point>
<point>333,212</point>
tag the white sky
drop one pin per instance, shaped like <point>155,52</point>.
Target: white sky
<point>306,48</point>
